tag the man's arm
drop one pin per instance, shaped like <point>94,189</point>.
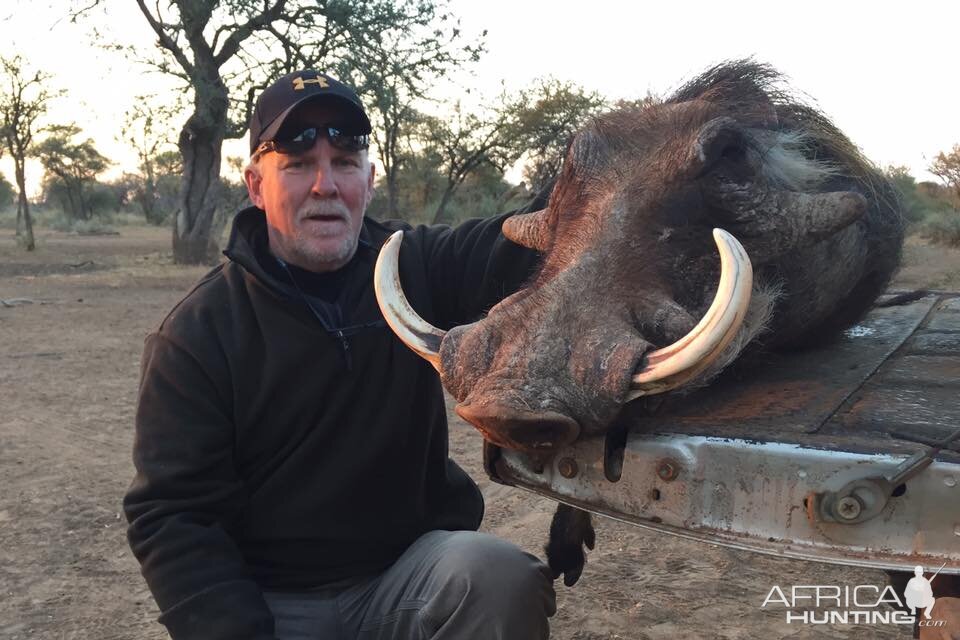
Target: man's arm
<point>472,267</point>
<point>185,498</point>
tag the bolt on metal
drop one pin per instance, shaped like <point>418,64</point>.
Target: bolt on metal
<point>849,507</point>
<point>567,467</point>
<point>667,470</point>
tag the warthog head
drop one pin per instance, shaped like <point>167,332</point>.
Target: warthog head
<point>626,302</point>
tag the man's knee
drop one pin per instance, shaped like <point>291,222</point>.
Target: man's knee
<point>493,580</point>
<point>492,565</point>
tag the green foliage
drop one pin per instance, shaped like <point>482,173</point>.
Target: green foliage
<point>421,188</point>
<point>100,199</point>
<point>943,228</point>
<point>7,193</point>
<point>94,226</point>
<point>931,209</point>
<point>147,130</point>
<point>72,168</point>
<point>535,124</point>
<point>545,120</point>
<point>169,163</point>
<point>919,201</point>
<point>156,191</point>
<point>464,143</point>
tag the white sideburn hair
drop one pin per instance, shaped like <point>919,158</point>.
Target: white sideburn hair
<point>779,155</point>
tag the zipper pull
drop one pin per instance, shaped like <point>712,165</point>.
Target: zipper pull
<point>346,349</point>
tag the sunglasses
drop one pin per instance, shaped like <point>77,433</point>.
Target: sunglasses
<point>304,140</point>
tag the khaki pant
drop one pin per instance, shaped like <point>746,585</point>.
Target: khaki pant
<point>449,585</point>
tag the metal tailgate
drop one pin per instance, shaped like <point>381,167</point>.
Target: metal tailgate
<point>748,461</point>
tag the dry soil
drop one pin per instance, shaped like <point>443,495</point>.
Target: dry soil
<point>72,321</point>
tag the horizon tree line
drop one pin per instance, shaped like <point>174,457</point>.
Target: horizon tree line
<point>438,160</point>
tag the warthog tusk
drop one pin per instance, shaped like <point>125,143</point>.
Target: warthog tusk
<point>672,366</point>
<point>415,332</point>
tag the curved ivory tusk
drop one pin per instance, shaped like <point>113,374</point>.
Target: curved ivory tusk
<point>415,332</point>
<point>672,366</point>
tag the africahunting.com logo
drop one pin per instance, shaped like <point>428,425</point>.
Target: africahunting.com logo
<point>860,604</point>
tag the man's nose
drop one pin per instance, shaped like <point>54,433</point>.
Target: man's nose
<point>324,185</point>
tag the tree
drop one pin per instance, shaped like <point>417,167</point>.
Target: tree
<point>946,166</point>
<point>547,116</point>
<point>393,72</point>
<point>75,164</point>
<point>225,51</point>
<point>917,202</point>
<point>463,142</point>
<point>23,102</point>
<point>146,128</point>
<point>536,123</point>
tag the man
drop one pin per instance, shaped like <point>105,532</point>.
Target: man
<point>292,471</point>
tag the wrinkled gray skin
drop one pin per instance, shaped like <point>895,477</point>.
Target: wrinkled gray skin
<point>630,265</point>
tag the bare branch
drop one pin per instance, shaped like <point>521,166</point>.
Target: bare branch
<point>165,40</point>
<point>242,32</point>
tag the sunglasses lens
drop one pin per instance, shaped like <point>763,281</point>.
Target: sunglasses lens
<point>303,141</point>
<point>346,141</point>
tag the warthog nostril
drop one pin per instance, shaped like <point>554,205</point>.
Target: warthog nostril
<point>517,429</point>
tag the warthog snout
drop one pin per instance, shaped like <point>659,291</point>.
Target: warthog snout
<point>505,426</point>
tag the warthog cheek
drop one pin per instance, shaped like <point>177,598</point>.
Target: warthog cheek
<point>606,370</point>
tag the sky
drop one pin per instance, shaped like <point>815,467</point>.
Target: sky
<point>884,72</point>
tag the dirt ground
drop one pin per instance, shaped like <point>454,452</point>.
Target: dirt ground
<point>74,316</point>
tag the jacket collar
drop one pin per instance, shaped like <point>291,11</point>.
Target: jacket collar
<point>249,243</point>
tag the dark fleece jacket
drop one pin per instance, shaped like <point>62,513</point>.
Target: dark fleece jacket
<point>285,438</point>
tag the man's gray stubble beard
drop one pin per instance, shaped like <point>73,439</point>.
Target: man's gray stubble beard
<point>345,250</point>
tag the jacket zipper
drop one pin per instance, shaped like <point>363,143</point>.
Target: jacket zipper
<point>345,345</point>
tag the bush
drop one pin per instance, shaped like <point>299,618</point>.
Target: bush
<point>56,219</point>
<point>94,226</point>
<point>8,193</point>
<point>8,218</point>
<point>918,200</point>
<point>943,228</point>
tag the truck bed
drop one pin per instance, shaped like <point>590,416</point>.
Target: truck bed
<point>742,461</point>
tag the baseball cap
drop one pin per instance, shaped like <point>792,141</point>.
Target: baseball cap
<point>279,100</point>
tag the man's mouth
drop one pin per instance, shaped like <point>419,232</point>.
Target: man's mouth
<point>321,217</point>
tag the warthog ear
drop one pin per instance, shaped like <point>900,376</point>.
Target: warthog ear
<point>719,138</point>
<point>529,229</point>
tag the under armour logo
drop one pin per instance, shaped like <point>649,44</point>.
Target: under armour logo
<point>298,83</point>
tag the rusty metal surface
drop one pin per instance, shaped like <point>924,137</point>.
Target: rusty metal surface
<point>754,496</point>
<point>746,452</point>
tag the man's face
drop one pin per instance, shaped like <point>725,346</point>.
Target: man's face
<point>314,201</point>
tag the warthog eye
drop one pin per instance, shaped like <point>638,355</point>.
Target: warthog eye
<point>733,153</point>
